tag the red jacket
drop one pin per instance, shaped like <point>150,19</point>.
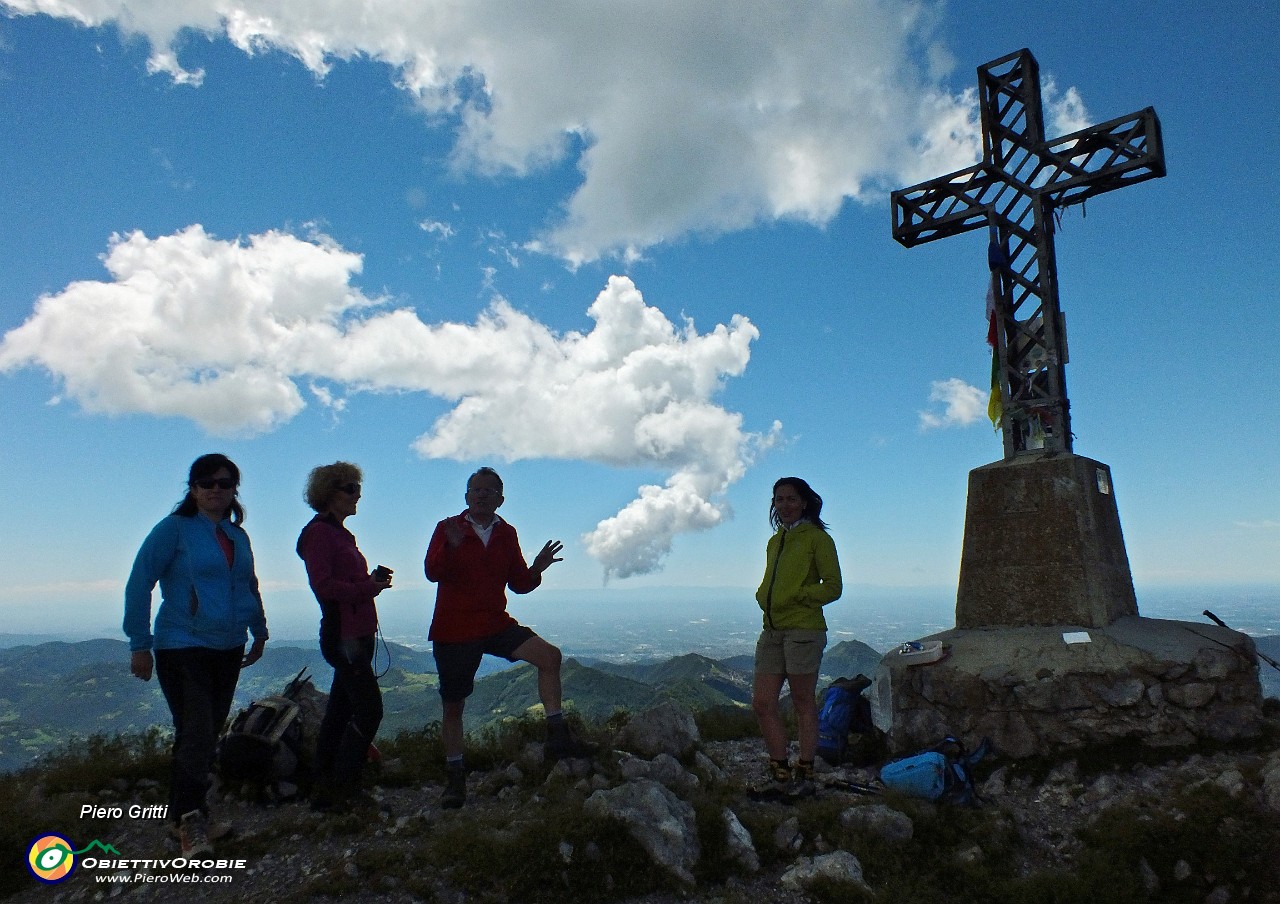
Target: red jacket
<point>471,599</point>
<point>339,577</point>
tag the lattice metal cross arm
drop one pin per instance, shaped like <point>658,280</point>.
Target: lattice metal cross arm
<point>1102,158</point>
<point>948,205</point>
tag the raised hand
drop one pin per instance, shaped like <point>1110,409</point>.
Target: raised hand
<point>550,553</point>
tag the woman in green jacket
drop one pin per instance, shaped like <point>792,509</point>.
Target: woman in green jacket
<point>802,574</point>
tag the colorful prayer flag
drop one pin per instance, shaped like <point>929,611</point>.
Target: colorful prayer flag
<point>995,404</point>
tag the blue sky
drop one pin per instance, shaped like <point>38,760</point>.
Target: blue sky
<point>635,255</point>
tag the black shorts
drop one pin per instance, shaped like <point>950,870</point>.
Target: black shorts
<point>456,663</point>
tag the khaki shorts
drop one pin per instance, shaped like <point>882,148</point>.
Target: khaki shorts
<point>794,651</point>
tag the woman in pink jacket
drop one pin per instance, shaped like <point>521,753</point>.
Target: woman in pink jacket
<point>345,588</point>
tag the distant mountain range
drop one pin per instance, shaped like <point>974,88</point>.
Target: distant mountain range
<point>53,693</point>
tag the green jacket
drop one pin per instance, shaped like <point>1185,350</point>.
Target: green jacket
<point>801,575</point>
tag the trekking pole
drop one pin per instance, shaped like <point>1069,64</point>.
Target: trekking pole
<point>1263,656</point>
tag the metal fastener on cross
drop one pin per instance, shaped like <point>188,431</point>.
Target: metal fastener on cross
<point>1021,180</point>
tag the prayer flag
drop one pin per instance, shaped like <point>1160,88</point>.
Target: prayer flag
<point>995,404</point>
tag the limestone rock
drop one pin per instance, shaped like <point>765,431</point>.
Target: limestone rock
<point>879,819</point>
<point>839,866</point>
<point>787,837</point>
<point>663,824</point>
<point>666,728</point>
<point>741,847</point>
<point>663,768</point>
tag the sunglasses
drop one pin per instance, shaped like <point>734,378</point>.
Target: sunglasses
<point>222,483</point>
<point>351,489</point>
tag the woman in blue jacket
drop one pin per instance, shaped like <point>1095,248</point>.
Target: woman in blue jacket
<point>200,556</point>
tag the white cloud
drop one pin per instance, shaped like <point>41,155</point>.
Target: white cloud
<point>223,333</point>
<point>191,326</point>
<point>436,227</point>
<point>962,404</point>
<point>1065,110</point>
<point>685,116</point>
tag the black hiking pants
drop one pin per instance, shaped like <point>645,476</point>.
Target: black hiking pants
<point>353,715</point>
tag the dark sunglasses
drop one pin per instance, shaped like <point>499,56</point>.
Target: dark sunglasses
<point>351,489</point>
<point>222,483</point>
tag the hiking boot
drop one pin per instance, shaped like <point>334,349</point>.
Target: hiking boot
<point>775,785</point>
<point>563,743</point>
<point>193,835</point>
<point>455,789</point>
<point>802,782</point>
<point>780,771</point>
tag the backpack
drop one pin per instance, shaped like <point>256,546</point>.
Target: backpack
<point>942,773</point>
<point>844,710</point>
<point>264,744</point>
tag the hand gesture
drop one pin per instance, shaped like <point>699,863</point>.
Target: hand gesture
<point>549,554</point>
<point>453,532</point>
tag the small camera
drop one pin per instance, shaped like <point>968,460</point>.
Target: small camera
<point>382,573</point>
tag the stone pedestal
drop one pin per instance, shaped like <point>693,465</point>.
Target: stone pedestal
<point>1156,682</point>
<point>1049,652</point>
<point>1042,546</point>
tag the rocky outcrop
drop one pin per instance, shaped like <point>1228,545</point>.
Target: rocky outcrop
<point>666,728</point>
<point>683,812</point>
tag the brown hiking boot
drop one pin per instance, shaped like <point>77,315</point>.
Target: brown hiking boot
<point>564,743</point>
<point>193,835</point>
<point>455,789</point>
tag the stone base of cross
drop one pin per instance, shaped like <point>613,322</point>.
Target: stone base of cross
<point>1043,546</point>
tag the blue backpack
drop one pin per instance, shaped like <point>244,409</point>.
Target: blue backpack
<point>943,773</point>
<point>844,709</point>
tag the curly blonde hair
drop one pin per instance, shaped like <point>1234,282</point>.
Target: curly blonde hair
<point>323,483</point>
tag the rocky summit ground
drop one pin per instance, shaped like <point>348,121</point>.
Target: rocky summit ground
<point>408,849</point>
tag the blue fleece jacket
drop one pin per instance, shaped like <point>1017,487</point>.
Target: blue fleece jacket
<point>204,601</point>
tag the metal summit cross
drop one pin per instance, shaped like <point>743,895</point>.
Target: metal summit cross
<point>1022,180</point>
<point>1042,538</point>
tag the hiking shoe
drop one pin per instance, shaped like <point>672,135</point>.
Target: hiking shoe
<point>775,784</point>
<point>802,780</point>
<point>193,835</point>
<point>563,743</point>
<point>780,771</point>
<point>455,789</point>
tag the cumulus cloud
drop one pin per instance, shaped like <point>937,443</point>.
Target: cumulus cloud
<point>683,116</point>
<point>224,332</point>
<point>961,405</point>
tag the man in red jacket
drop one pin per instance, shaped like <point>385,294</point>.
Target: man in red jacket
<point>473,558</point>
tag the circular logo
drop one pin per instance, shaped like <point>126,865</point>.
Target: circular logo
<point>50,858</point>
